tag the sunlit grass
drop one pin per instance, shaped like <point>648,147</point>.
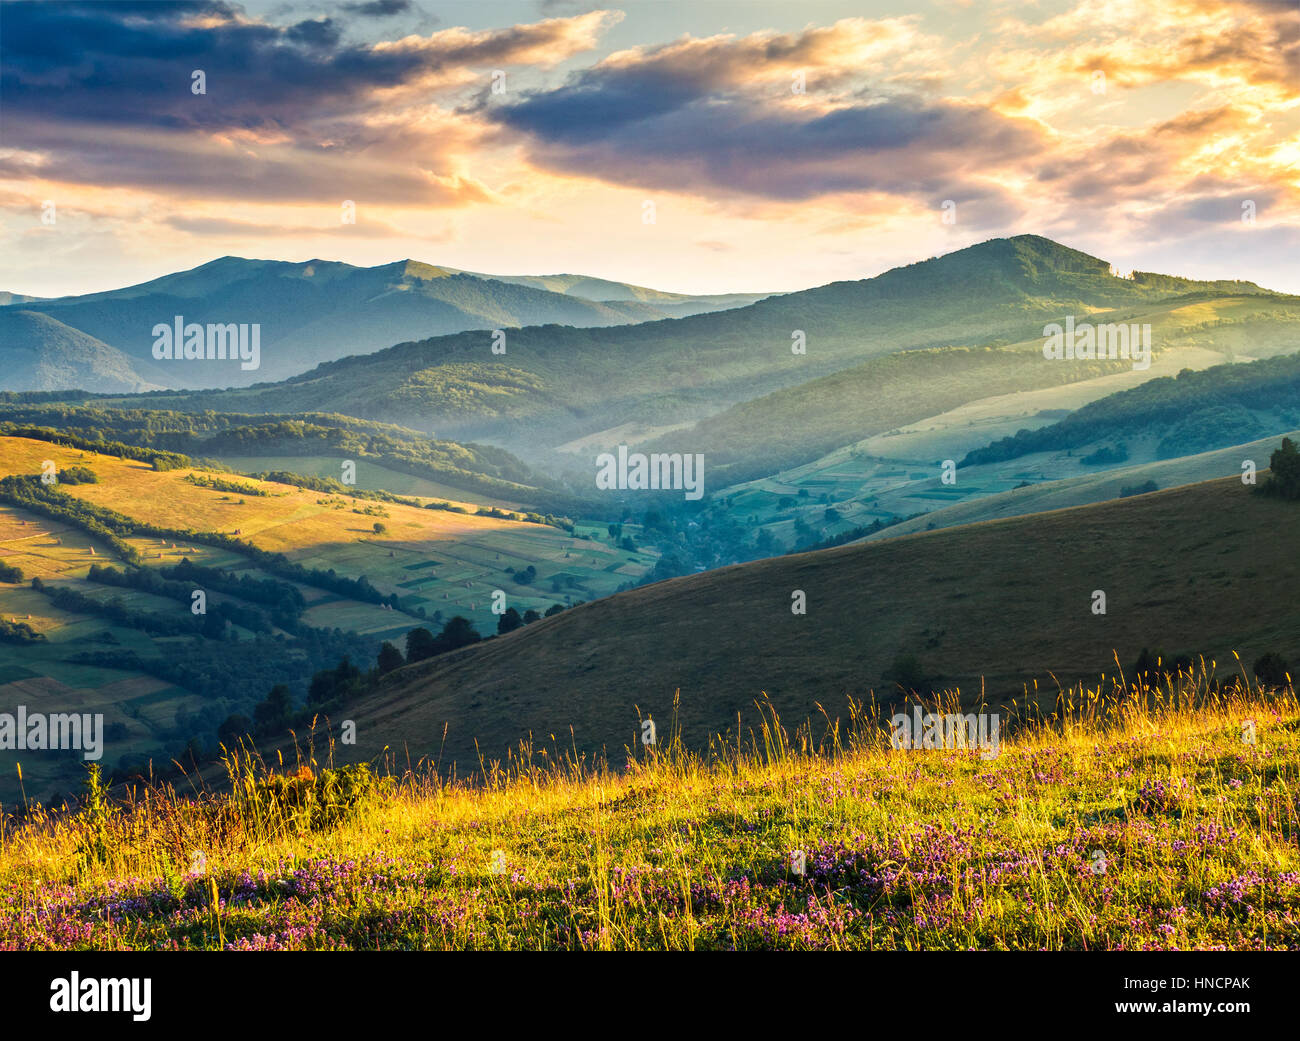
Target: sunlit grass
<point>1129,818</point>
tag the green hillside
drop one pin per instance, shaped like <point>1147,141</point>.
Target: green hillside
<point>377,450</point>
<point>41,353</point>
<point>796,425</point>
<point>1194,412</point>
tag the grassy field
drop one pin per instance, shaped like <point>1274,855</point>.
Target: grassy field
<point>370,475</point>
<point>1130,820</point>
<point>323,530</point>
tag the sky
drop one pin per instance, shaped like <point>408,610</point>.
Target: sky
<point>698,147</point>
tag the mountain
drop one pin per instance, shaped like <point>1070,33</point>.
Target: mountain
<point>317,311</point>
<point>1188,331</point>
<point>994,608</point>
<point>672,305</point>
<point>554,385</point>
<point>16,298</point>
<point>38,352</point>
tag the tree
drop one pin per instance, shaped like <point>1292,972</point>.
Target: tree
<point>322,687</point>
<point>342,681</point>
<point>509,622</point>
<point>274,712</point>
<point>531,616</point>
<point>459,632</point>
<point>380,527</point>
<point>1272,670</point>
<point>390,658</point>
<point>1284,476</point>
<point>420,644</point>
<point>234,728</point>
<point>346,674</point>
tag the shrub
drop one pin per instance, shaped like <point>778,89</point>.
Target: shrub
<point>305,801</point>
<point>78,475</point>
<point>1272,670</point>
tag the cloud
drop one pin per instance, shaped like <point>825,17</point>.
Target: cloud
<point>102,94</point>
<point>721,117</point>
<point>224,226</point>
<point>378,8</point>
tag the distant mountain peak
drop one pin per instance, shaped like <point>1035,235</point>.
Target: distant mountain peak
<point>1036,250</point>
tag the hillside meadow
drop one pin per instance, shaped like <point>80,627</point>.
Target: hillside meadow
<point>322,529</point>
<point>1133,819</point>
<point>438,561</point>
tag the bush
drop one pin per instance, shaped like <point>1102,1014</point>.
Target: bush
<point>1106,455</point>
<point>1272,670</point>
<point>1138,489</point>
<point>78,475</point>
<point>304,801</point>
<point>18,632</point>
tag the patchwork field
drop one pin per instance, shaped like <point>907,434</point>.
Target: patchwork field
<point>440,562</point>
